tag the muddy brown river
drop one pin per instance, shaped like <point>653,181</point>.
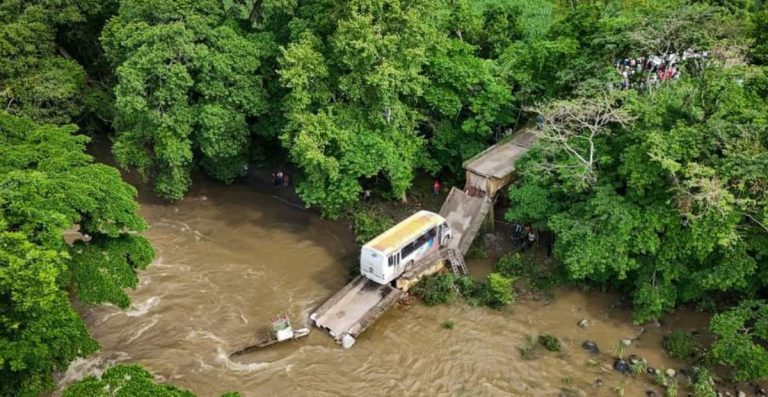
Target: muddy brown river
<point>230,258</point>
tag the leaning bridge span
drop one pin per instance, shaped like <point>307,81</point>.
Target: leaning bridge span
<point>358,304</point>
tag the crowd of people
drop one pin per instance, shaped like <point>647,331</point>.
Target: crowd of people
<point>648,71</point>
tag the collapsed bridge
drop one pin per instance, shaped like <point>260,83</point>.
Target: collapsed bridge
<point>355,307</point>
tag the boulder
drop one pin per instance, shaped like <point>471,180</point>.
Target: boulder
<point>650,393</point>
<point>670,372</point>
<point>621,366</point>
<point>626,342</point>
<point>584,323</point>
<point>590,346</point>
<point>741,394</point>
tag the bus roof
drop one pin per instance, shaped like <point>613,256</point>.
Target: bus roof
<point>405,231</point>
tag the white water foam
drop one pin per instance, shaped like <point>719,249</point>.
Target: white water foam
<point>205,334</point>
<point>90,366</point>
<point>144,329</point>
<point>222,358</point>
<point>142,308</point>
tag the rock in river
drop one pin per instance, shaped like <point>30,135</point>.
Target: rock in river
<point>584,323</point>
<point>590,346</point>
<point>621,366</point>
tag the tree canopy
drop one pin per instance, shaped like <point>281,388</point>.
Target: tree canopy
<point>658,192</point>
<point>49,187</point>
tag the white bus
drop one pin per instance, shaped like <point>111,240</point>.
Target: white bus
<point>384,258</point>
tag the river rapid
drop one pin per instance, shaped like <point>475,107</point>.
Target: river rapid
<point>229,258</point>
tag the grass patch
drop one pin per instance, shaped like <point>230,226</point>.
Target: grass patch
<point>549,342</point>
<point>530,269</point>
<point>495,292</point>
<point>679,345</point>
<point>436,289</point>
<point>528,351</point>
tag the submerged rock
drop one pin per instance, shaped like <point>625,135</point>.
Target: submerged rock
<point>590,346</point>
<point>621,366</point>
<point>635,359</point>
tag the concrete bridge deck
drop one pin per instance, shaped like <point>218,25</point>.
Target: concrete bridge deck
<point>465,214</point>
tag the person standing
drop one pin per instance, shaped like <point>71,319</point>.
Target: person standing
<point>279,179</point>
<point>436,187</point>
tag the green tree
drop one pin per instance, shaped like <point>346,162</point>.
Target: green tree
<point>49,186</point>
<point>35,80</point>
<point>676,209</point>
<point>741,333</point>
<point>189,90</point>
<point>124,381</point>
<point>379,90</point>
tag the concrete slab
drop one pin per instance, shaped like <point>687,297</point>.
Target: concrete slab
<point>354,307</point>
<point>498,161</point>
<point>465,214</point>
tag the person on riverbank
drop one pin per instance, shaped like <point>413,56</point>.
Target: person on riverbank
<point>286,180</point>
<point>279,179</point>
<point>436,187</point>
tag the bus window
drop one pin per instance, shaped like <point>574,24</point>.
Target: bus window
<point>391,260</point>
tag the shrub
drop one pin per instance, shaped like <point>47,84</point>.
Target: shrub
<point>549,342</point>
<point>638,367</point>
<point>471,290</point>
<point>436,289</point>
<point>741,336</point>
<point>369,224</point>
<point>703,386</point>
<point>498,291</point>
<point>679,345</point>
<point>510,265</point>
<point>448,324</point>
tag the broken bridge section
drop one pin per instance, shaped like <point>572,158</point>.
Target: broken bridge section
<point>465,215</point>
<point>356,306</point>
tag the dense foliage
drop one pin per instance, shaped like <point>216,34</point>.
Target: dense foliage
<point>127,381</point>
<point>659,192</point>
<point>49,187</point>
<point>188,81</point>
<point>123,381</point>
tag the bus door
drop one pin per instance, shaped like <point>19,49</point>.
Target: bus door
<point>443,234</point>
<point>399,266</point>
